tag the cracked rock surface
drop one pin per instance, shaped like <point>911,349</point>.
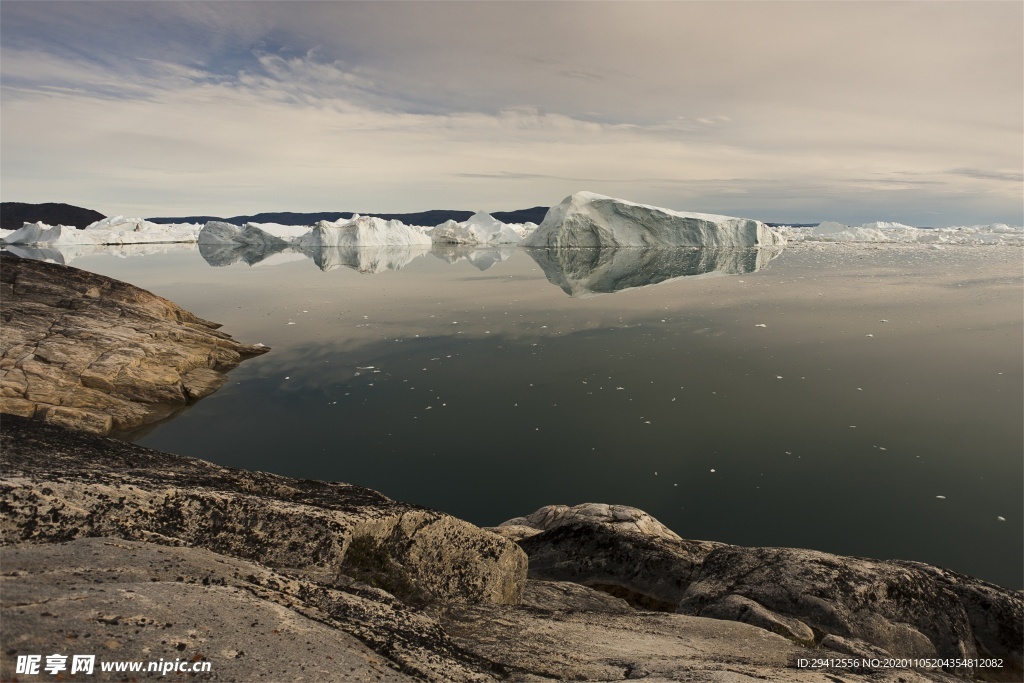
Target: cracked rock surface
<point>98,355</point>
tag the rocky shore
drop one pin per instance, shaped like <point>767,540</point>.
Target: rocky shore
<point>137,554</point>
<point>99,355</point>
<point>131,554</point>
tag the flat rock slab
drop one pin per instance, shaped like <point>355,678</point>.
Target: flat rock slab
<point>99,355</point>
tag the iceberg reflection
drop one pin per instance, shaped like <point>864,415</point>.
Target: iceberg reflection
<point>480,258</point>
<point>587,272</point>
<point>65,254</point>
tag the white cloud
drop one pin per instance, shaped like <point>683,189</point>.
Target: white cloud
<point>437,118</point>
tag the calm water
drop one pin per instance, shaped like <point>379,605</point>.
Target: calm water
<point>828,398</point>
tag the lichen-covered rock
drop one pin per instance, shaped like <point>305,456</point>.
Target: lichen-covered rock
<point>59,485</point>
<point>98,355</point>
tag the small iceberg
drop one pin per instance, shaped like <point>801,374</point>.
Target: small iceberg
<point>586,219</point>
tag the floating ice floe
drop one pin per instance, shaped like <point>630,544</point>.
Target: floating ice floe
<point>113,230</point>
<point>888,232</point>
<point>586,219</point>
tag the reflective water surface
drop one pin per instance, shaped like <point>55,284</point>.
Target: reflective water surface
<point>863,400</point>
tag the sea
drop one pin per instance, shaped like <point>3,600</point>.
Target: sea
<point>860,399</point>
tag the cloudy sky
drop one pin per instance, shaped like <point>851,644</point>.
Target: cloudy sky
<point>781,111</point>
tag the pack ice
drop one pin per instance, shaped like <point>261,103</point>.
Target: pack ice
<point>113,230</point>
<point>586,219</point>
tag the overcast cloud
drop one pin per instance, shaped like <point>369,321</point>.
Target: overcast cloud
<point>781,111</point>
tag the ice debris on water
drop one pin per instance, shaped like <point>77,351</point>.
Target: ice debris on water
<point>1001,518</point>
<point>941,497</point>
<point>760,325</point>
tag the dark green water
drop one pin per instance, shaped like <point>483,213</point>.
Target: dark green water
<point>883,378</point>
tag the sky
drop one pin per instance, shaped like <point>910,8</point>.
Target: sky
<point>798,112</point>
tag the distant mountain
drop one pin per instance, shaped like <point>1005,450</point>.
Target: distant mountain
<point>427,218</point>
<point>15,214</point>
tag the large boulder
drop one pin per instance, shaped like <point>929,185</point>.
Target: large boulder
<point>615,548</point>
<point>586,219</point>
<point>96,354</point>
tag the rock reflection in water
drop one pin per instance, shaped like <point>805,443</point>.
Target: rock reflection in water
<point>587,272</point>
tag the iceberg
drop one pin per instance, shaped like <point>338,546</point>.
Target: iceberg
<point>113,230</point>
<point>588,272</point>
<point>480,228</point>
<point>898,233</point>
<point>586,219</point>
<point>219,232</point>
<point>362,231</point>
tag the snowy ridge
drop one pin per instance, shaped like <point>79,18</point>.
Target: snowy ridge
<point>586,219</point>
<point>886,232</point>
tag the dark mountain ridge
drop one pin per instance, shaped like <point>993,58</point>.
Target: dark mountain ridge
<point>15,214</point>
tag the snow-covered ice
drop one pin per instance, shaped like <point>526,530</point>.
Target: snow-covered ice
<point>586,219</point>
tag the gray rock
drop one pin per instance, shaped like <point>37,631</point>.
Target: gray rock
<point>615,517</point>
<point>97,355</point>
<point>907,609</point>
<point>127,600</point>
<point>851,605</point>
<point>651,572</point>
<point>554,636</point>
<point>60,485</point>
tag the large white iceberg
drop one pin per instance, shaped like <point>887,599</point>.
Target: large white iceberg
<point>363,231</point>
<point>113,230</point>
<point>586,219</point>
<point>480,228</point>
